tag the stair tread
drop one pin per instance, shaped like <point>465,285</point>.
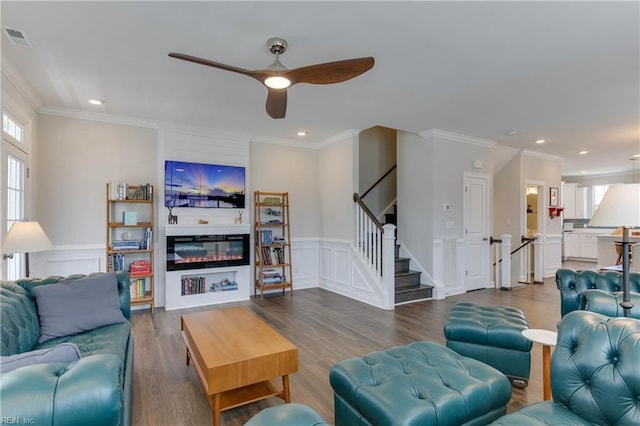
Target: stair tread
<point>413,288</point>
<point>407,273</point>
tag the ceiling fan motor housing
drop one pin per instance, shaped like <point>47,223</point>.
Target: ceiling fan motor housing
<point>277,45</point>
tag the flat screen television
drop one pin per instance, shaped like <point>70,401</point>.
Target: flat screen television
<point>203,185</point>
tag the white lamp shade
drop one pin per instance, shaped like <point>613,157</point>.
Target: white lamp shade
<point>26,237</point>
<point>620,206</point>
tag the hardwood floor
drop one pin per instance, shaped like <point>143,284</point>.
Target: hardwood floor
<point>327,328</point>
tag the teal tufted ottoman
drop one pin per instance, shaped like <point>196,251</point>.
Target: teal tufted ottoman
<point>423,383</point>
<point>493,335</point>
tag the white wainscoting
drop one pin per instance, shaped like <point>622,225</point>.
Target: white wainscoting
<point>343,272</point>
<point>67,260</point>
<point>448,267</point>
<point>552,254</point>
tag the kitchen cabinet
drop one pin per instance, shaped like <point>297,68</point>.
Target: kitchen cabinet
<point>581,245</point>
<point>576,201</point>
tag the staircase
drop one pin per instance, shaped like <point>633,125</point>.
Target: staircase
<point>407,282</point>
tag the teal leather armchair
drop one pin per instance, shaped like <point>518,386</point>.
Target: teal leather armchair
<point>95,389</point>
<point>573,284</point>
<point>595,374</point>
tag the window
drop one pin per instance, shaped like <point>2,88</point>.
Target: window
<point>598,193</point>
<point>11,127</point>
<point>15,209</point>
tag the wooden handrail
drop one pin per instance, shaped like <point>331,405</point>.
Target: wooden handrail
<point>378,181</point>
<point>524,239</point>
<point>357,199</point>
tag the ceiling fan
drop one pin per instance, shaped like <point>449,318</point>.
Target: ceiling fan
<point>277,78</point>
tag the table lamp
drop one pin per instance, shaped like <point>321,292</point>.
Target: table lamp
<point>620,206</point>
<point>25,237</point>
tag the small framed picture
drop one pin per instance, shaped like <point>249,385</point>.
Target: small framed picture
<point>553,197</point>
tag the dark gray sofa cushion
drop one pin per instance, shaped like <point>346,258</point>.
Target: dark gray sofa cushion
<point>71,307</point>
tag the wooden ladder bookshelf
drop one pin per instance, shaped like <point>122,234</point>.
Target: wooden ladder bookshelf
<point>272,265</point>
<point>129,241</point>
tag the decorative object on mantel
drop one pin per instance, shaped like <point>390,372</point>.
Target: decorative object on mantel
<point>238,220</point>
<point>203,222</point>
<point>620,206</point>
<point>173,219</point>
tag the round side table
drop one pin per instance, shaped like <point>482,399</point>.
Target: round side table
<point>547,338</point>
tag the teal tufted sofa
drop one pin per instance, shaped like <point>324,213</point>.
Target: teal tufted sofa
<point>573,285</point>
<point>96,389</point>
<point>595,375</point>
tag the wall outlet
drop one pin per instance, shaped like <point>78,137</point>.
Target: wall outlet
<point>449,224</point>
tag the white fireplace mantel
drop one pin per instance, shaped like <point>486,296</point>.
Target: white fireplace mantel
<point>208,229</point>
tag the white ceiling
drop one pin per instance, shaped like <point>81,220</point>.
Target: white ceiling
<point>566,72</point>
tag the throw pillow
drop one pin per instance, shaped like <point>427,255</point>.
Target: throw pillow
<point>64,352</point>
<point>73,306</point>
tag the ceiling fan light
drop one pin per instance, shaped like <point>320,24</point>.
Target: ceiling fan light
<point>277,82</point>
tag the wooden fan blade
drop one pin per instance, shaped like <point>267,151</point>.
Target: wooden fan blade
<point>207,62</point>
<point>330,72</point>
<point>277,103</point>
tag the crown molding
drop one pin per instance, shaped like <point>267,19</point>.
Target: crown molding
<point>21,85</point>
<point>137,122</point>
<point>277,141</point>
<point>98,116</point>
<point>349,135</point>
<point>536,154</point>
<point>457,137</point>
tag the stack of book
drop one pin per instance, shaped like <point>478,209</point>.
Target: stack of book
<point>147,239</point>
<point>272,276</point>
<point>121,245</point>
<point>116,262</point>
<point>224,285</point>
<point>273,256</point>
<point>140,268</point>
<point>193,285</point>
<point>266,236</point>
<point>138,288</point>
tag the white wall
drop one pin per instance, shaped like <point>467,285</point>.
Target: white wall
<point>76,158</point>
<point>285,168</point>
<point>336,187</point>
<point>415,196</point>
<point>376,155</point>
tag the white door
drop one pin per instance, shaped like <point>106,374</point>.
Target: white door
<point>476,231</point>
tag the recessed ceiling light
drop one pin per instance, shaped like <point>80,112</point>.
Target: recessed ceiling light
<point>583,172</point>
<point>512,132</point>
<point>302,133</point>
<point>96,101</point>
<point>583,152</point>
<point>540,141</point>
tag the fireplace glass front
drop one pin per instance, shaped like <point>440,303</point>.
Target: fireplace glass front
<point>186,252</point>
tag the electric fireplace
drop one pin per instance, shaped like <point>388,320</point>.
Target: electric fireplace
<point>186,252</point>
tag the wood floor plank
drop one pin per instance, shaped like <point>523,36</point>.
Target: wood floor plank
<point>326,328</point>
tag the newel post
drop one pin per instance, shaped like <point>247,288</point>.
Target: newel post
<point>506,262</point>
<point>538,253</point>
<point>388,266</point>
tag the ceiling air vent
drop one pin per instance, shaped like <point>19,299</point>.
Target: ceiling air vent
<point>17,37</point>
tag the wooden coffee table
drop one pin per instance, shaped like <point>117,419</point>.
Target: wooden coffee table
<point>238,357</point>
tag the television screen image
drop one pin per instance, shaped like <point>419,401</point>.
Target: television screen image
<point>203,185</point>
